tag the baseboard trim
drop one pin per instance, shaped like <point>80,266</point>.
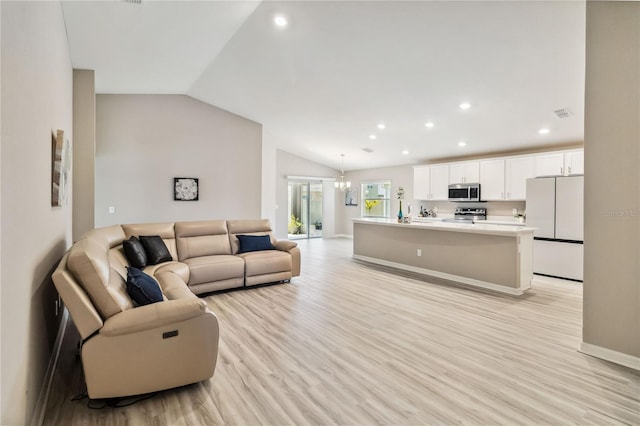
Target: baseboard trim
<point>450,277</point>
<point>343,236</point>
<point>610,355</point>
<point>43,398</point>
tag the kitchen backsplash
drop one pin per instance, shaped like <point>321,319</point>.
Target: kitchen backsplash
<point>494,208</point>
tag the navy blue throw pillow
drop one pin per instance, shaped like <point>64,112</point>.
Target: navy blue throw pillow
<point>254,243</point>
<point>134,251</point>
<point>156,249</point>
<point>143,289</point>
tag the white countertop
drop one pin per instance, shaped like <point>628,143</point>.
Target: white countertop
<point>491,220</point>
<point>437,225</point>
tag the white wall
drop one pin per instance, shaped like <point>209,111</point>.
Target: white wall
<point>611,312</point>
<point>84,151</point>
<point>291,165</point>
<point>144,141</point>
<point>269,164</point>
<point>36,101</point>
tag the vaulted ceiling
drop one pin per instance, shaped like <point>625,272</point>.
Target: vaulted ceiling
<point>321,85</point>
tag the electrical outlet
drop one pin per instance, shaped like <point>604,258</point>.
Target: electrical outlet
<point>419,252</point>
<point>112,209</point>
<point>514,211</point>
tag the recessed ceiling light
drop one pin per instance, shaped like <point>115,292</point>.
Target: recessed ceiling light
<point>372,136</point>
<point>381,126</point>
<point>429,124</point>
<point>465,105</point>
<point>462,143</point>
<point>544,131</point>
<point>405,152</point>
<point>280,21</point>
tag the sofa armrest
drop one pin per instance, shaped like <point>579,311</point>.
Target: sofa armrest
<point>291,248</point>
<point>153,316</point>
<point>285,245</point>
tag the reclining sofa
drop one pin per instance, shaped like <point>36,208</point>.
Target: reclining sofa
<point>129,350</point>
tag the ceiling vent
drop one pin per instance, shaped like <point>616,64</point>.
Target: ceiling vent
<point>367,149</point>
<point>132,1</point>
<point>563,113</point>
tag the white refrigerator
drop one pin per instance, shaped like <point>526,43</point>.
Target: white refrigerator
<point>555,206</point>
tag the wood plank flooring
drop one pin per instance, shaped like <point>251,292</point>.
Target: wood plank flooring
<point>349,343</point>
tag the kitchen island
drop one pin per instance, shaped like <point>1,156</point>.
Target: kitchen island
<point>496,257</point>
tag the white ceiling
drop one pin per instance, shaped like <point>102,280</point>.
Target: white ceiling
<point>321,85</point>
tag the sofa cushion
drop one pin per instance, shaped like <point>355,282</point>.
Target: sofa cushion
<point>142,288</point>
<point>93,264</point>
<point>135,253</point>
<point>247,227</point>
<point>157,251</point>
<point>178,268</point>
<point>165,230</point>
<point>266,262</point>
<point>208,269</point>
<point>202,238</point>
<point>249,243</point>
<point>173,287</point>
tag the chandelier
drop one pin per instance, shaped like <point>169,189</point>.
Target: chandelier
<point>342,185</point>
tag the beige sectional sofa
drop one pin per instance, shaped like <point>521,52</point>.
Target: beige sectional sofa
<point>128,350</point>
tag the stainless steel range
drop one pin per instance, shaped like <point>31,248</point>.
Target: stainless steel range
<point>468,215</point>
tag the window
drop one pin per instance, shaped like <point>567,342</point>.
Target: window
<point>376,199</point>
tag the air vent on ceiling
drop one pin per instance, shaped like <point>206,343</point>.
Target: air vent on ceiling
<point>562,113</point>
<point>132,1</point>
<point>367,149</point>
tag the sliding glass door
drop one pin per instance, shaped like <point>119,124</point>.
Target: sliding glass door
<point>305,209</point>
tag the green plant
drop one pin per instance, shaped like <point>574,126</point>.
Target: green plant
<point>294,221</point>
<point>294,225</point>
<point>369,204</point>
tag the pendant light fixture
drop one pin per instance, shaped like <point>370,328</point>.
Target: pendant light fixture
<point>342,185</point>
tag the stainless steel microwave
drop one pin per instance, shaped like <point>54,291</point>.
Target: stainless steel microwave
<point>464,192</point>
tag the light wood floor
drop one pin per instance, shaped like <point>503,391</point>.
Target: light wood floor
<point>354,344</point>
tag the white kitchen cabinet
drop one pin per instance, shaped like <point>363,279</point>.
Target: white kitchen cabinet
<point>421,183</point>
<point>574,162</point>
<point>551,164</point>
<point>464,172</point>
<point>506,179</point>
<point>518,170</point>
<point>440,182</point>
<point>492,179</point>
<point>431,182</point>
<point>503,178</point>
<point>561,163</point>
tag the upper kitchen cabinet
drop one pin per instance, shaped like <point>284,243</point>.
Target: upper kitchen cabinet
<point>421,183</point>
<point>550,164</point>
<point>464,172</point>
<point>519,169</point>
<point>492,179</point>
<point>431,182</point>
<point>561,163</point>
<point>501,179</point>
<point>506,179</point>
<point>440,182</point>
<point>574,162</point>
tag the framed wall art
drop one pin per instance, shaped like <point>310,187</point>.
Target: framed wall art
<point>351,197</point>
<point>60,169</point>
<point>185,189</point>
